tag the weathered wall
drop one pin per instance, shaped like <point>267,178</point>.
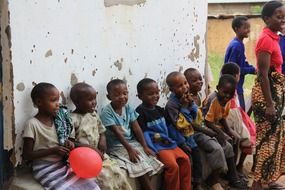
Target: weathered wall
<point>220,34</point>
<point>68,41</point>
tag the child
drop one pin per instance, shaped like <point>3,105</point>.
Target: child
<point>216,120</point>
<point>125,138</point>
<point>177,173</point>
<point>180,112</point>
<point>43,135</point>
<point>203,136</point>
<point>239,120</point>
<point>235,53</point>
<point>89,131</point>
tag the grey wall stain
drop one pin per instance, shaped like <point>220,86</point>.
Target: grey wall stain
<point>180,69</point>
<point>94,72</point>
<point>34,83</point>
<point>20,86</point>
<point>73,79</point>
<point>130,71</point>
<point>196,50</point>
<point>65,60</point>
<point>72,51</point>
<point>109,3</point>
<point>119,64</point>
<point>164,88</point>
<point>48,53</point>
<point>63,98</point>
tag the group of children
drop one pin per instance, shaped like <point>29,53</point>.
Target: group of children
<point>140,142</point>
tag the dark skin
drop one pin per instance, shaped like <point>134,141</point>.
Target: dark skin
<point>118,95</point>
<point>47,108</point>
<point>86,103</point>
<point>195,82</point>
<point>224,95</point>
<point>275,23</point>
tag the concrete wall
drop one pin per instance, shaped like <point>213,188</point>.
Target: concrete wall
<point>68,41</point>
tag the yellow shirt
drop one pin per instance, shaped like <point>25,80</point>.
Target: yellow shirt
<point>217,112</point>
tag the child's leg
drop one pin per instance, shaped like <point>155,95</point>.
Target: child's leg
<point>197,168</point>
<point>145,182</point>
<point>241,161</point>
<point>171,170</point>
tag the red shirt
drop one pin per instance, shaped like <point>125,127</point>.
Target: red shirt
<point>268,41</point>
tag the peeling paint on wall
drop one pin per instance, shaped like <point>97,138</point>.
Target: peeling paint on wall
<point>194,55</point>
<point>109,3</point>
<point>48,53</point>
<point>73,79</point>
<point>119,64</point>
<point>63,98</point>
<point>20,86</point>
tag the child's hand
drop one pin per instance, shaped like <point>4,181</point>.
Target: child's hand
<point>69,144</point>
<point>102,146</point>
<point>234,136</point>
<point>148,151</point>
<point>101,154</point>
<point>221,137</point>
<point>184,100</point>
<point>60,150</point>
<point>186,149</point>
<point>134,155</point>
<point>209,132</point>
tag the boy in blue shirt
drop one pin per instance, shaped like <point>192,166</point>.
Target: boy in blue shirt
<point>236,53</point>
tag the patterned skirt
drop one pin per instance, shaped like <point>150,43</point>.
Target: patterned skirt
<point>146,165</point>
<point>270,141</point>
<point>59,176</point>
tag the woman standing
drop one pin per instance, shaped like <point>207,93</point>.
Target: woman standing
<point>268,101</point>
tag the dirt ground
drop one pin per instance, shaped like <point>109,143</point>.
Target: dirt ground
<point>247,171</point>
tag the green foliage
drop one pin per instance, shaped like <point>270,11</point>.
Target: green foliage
<point>216,62</point>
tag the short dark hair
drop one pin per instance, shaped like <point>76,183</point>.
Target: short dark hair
<point>143,83</point>
<point>189,71</point>
<point>78,90</point>
<point>226,78</point>
<point>112,83</point>
<point>269,8</point>
<point>230,68</point>
<point>170,77</point>
<point>238,22</point>
<point>40,90</point>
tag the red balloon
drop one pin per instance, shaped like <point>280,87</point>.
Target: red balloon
<point>85,162</point>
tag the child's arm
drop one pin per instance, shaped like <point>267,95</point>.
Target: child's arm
<point>229,131</point>
<point>139,135</point>
<point>220,134</point>
<point>204,130</point>
<point>30,154</point>
<point>133,153</point>
<point>102,146</point>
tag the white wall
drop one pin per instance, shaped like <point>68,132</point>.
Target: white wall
<point>65,41</point>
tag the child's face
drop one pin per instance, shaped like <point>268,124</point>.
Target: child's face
<point>49,104</point>
<point>244,30</point>
<point>179,85</point>
<point>150,95</point>
<point>87,104</point>
<point>195,81</point>
<point>225,93</point>
<point>119,95</point>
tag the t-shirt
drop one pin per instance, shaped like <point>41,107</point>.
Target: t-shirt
<point>217,112</point>
<point>110,118</point>
<point>44,137</point>
<point>236,53</point>
<point>154,127</point>
<point>88,128</point>
<point>268,41</point>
